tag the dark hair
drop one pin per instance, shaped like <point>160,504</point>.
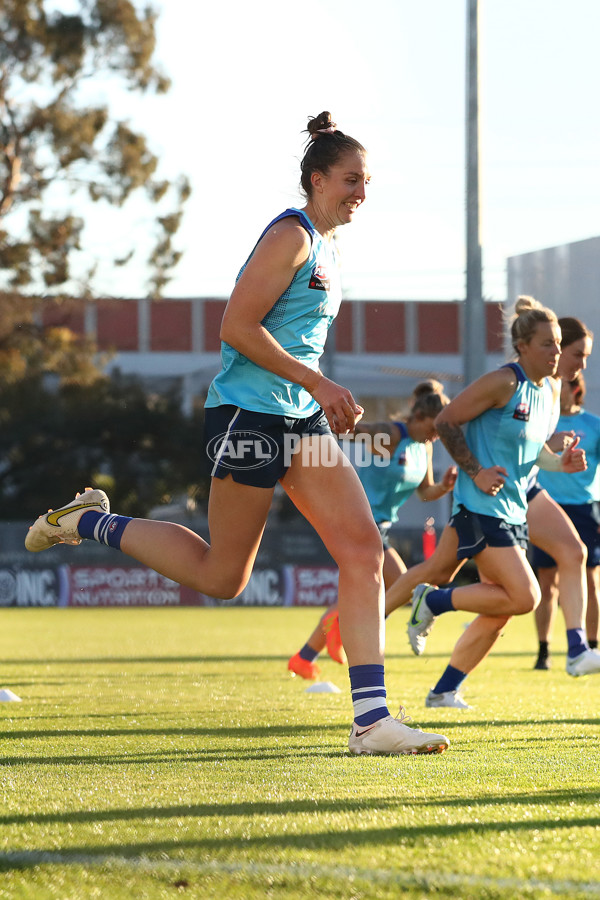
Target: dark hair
<point>528,313</point>
<point>573,330</point>
<point>325,147</point>
<point>428,399</point>
<point>577,385</point>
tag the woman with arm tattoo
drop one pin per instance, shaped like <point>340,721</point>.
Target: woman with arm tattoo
<point>496,430</point>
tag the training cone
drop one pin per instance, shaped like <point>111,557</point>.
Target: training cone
<point>7,696</point>
<point>323,687</point>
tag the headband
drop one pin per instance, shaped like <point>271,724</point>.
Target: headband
<point>329,130</point>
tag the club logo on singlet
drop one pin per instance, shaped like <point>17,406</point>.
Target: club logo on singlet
<point>521,412</point>
<point>319,279</point>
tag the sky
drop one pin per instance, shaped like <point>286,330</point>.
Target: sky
<point>246,77</point>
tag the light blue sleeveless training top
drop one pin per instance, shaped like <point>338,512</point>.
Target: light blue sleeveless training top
<point>299,321</point>
<point>511,436</point>
<point>580,487</point>
<point>389,486</point>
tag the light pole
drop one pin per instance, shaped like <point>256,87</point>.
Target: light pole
<point>474,330</point>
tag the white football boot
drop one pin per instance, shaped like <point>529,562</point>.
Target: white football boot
<point>59,526</point>
<point>421,619</point>
<point>587,663</point>
<point>390,735</point>
<point>447,698</point>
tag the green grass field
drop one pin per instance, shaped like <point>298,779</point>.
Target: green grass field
<point>168,753</point>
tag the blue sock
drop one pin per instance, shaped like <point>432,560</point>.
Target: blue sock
<point>451,680</point>
<point>577,642</point>
<point>308,653</point>
<point>439,600</point>
<point>368,694</point>
<point>106,528</point>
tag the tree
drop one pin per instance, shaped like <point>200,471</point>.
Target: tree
<point>64,424</point>
<point>56,437</point>
<point>60,148</point>
<point>28,351</point>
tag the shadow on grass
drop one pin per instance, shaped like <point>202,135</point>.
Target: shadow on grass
<point>336,841</point>
<point>250,751</point>
<point>320,806</point>
<point>159,757</point>
<point>290,731</point>
<point>253,733</point>
<point>220,658</point>
<point>187,757</point>
<point>146,660</point>
<point>116,677</point>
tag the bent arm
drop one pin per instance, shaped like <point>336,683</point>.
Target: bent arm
<point>453,438</point>
<point>432,490</point>
<point>277,258</point>
<point>491,391</point>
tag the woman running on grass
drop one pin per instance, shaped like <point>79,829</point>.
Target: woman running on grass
<point>548,526</point>
<point>496,431</point>
<point>399,463</point>
<point>269,401</point>
<point>578,497</point>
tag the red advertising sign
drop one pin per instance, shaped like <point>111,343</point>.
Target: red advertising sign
<point>313,585</point>
<point>125,586</point>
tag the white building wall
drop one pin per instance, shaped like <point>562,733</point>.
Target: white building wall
<point>567,279</point>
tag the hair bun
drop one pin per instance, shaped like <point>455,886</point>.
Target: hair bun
<point>321,124</point>
<point>525,303</point>
<point>428,387</point>
<point>527,315</point>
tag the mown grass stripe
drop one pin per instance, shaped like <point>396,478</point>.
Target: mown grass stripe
<point>302,871</point>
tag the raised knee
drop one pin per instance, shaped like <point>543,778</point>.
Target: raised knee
<point>578,554</point>
<point>230,585</point>
<point>571,553</point>
<point>528,601</point>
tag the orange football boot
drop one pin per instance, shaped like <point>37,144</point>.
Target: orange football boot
<point>303,668</point>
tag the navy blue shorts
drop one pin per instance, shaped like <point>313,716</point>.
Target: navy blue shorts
<point>255,448</point>
<point>586,519</point>
<point>533,491</point>
<point>476,532</point>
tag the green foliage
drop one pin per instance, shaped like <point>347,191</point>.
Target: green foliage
<point>52,136</point>
<point>30,352</point>
<point>65,425</point>
<point>57,438</point>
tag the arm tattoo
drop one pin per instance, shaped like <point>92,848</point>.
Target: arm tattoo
<point>453,439</point>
